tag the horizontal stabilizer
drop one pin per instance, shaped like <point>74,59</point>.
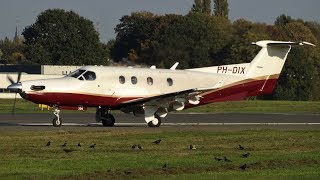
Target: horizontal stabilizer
<point>267,43</point>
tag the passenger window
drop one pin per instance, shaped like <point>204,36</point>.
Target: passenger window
<point>149,81</point>
<point>122,80</point>
<point>89,76</point>
<point>170,82</point>
<point>134,80</point>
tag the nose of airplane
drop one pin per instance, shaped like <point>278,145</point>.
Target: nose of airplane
<point>15,87</point>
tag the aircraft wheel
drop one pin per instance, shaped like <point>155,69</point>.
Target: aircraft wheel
<point>108,120</point>
<point>56,122</point>
<point>156,122</point>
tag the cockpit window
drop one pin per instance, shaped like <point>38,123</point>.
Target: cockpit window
<point>76,73</point>
<point>89,76</point>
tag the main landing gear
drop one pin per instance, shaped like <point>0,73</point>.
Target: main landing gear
<point>156,122</point>
<point>56,122</point>
<point>102,114</point>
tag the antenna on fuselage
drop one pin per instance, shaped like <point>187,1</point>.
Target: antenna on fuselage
<point>174,66</point>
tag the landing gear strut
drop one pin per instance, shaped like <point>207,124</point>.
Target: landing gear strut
<point>56,122</point>
<point>103,115</point>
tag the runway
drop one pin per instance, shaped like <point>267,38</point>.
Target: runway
<point>217,121</point>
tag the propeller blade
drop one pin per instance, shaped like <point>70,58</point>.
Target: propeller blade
<point>19,76</point>
<point>14,105</point>
<point>10,79</point>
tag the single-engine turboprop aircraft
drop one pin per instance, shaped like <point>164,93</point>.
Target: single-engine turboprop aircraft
<point>152,92</point>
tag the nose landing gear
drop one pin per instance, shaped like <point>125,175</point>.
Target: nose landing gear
<point>56,122</point>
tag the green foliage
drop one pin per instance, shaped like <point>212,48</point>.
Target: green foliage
<point>297,80</point>
<point>239,49</point>
<point>11,51</point>
<point>221,8</point>
<point>201,6</point>
<point>162,40</point>
<point>62,37</point>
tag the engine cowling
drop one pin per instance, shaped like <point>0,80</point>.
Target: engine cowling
<point>162,112</point>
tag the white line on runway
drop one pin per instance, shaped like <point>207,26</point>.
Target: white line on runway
<point>167,124</point>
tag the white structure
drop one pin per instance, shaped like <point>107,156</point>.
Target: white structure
<point>58,70</point>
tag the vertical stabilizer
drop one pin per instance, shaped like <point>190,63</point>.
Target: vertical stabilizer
<point>271,58</point>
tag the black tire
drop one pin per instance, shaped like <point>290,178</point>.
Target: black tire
<point>108,120</point>
<point>150,124</point>
<point>56,122</point>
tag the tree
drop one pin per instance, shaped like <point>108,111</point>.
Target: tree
<point>64,38</point>
<point>202,6</point>
<point>10,49</point>
<point>221,8</point>
<point>299,76</point>
<point>239,49</point>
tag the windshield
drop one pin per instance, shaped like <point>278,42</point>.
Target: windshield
<point>76,73</point>
<point>83,75</point>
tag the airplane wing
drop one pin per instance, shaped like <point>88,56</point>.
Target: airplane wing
<point>180,98</point>
<point>162,97</point>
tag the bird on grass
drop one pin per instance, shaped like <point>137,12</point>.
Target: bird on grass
<point>48,143</point>
<point>241,147</point>
<point>165,165</point>
<point>127,172</point>
<point>226,159</point>
<point>92,146</point>
<point>192,147</point>
<point>79,144</point>
<point>133,146</point>
<point>243,167</point>
<point>139,146</point>
<point>68,150</point>
<point>157,141</point>
<point>245,155</point>
<point>64,145</point>
<point>217,158</point>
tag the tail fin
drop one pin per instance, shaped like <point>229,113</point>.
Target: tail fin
<point>271,58</point>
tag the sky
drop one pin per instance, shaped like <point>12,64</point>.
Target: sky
<point>106,13</point>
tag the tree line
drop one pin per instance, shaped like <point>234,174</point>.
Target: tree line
<point>203,37</point>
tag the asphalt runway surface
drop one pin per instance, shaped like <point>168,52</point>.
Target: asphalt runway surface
<point>81,120</point>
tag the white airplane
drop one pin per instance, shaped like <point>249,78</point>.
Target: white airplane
<point>152,92</point>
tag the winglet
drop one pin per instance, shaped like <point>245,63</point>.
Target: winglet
<point>174,66</point>
<point>307,43</point>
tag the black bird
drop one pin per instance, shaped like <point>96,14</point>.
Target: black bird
<point>226,159</point>
<point>192,147</point>
<point>79,144</point>
<point>217,158</point>
<point>139,146</point>
<point>68,150</point>
<point>157,141</point>
<point>164,166</point>
<point>64,145</point>
<point>133,146</point>
<point>48,143</point>
<point>243,167</point>
<point>241,147</point>
<point>245,155</point>
<point>93,146</point>
<point>127,172</point>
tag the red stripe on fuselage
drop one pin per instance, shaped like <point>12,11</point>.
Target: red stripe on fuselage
<point>233,93</point>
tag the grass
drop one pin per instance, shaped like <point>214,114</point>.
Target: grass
<point>274,154</point>
<point>249,106</point>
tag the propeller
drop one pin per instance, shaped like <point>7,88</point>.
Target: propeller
<point>15,87</point>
